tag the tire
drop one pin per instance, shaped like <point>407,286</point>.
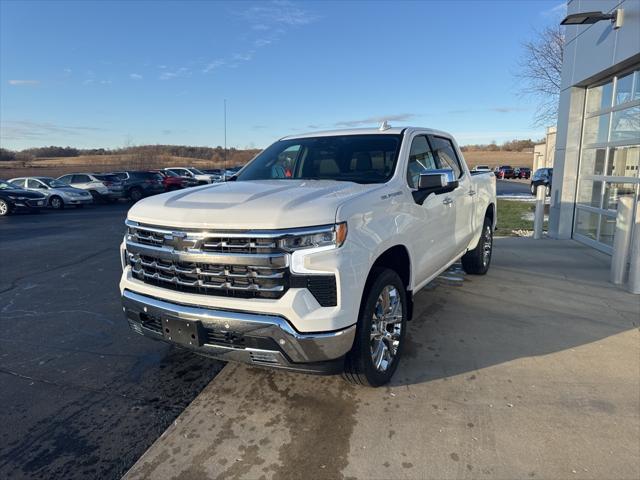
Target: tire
<point>96,196</point>
<point>375,335</point>
<point>478,260</point>
<point>135,194</point>
<point>56,202</point>
<point>5,208</point>
<point>533,189</point>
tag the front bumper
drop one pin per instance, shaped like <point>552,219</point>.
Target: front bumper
<point>247,337</point>
<point>30,203</point>
<point>78,200</point>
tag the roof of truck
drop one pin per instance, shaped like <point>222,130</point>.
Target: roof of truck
<point>366,131</point>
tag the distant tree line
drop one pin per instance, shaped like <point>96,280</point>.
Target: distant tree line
<point>510,146</point>
<point>141,152</point>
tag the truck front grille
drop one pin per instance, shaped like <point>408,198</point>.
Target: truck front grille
<point>231,264</point>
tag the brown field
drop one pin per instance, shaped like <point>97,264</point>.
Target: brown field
<point>494,159</point>
<point>54,167</point>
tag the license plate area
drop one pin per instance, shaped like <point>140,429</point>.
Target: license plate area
<point>184,332</point>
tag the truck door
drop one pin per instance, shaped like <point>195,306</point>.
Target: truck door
<point>461,200</point>
<point>432,227</point>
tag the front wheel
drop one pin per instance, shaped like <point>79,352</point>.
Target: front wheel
<point>477,261</point>
<point>533,189</point>
<point>56,203</point>
<point>380,333</point>
<point>135,194</point>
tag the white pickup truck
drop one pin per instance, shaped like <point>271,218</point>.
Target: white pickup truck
<point>309,259</point>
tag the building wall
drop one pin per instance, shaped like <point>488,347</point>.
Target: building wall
<point>544,153</point>
<point>592,52</point>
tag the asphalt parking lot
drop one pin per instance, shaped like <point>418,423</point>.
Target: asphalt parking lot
<point>513,187</point>
<point>81,395</point>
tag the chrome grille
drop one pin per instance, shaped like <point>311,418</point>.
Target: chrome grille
<point>199,262</point>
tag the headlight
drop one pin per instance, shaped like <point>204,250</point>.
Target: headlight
<point>330,235</point>
<point>15,197</point>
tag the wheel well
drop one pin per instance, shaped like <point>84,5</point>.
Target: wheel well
<point>397,259</point>
<point>54,196</point>
<point>491,213</point>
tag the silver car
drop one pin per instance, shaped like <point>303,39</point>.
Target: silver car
<point>58,193</point>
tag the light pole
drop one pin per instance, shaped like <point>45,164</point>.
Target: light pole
<point>225,134</point>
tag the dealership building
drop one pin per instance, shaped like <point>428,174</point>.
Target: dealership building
<point>598,133</point>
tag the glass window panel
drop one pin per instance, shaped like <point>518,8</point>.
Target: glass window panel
<point>596,129</point>
<point>625,124</point>
<point>607,229</point>
<point>613,191</point>
<point>593,160</point>
<point>636,89</point>
<point>599,98</point>
<point>624,161</point>
<point>587,223</point>
<point>624,89</point>
<point>590,193</point>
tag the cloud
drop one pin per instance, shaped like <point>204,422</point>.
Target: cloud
<point>25,129</point>
<point>490,109</point>
<point>24,83</point>
<point>213,65</point>
<point>245,57</point>
<point>557,11</point>
<point>135,76</point>
<point>181,72</point>
<point>284,13</point>
<point>400,117</point>
<point>262,42</point>
<point>507,109</point>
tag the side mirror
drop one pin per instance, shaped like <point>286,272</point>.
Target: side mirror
<point>435,181</point>
<point>444,178</point>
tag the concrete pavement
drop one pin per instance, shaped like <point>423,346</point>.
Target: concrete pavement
<point>532,371</point>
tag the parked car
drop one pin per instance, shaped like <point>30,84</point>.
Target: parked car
<point>173,181</point>
<point>216,173</point>
<point>190,172</point>
<point>104,187</point>
<point>542,177</point>
<point>522,172</point>
<point>231,172</point>
<point>314,270</point>
<point>58,194</point>
<point>14,198</point>
<point>504,171</point>
<point>140,184</point>
<point>481,168</point>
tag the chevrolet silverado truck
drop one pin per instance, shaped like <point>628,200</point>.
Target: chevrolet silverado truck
<point>310,257</point>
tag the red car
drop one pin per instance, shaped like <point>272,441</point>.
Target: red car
<point>504,171</point>
<point>171,181</point>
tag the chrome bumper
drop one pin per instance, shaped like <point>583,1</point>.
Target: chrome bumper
<point>265,340</point>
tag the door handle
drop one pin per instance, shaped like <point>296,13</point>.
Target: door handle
<point>448,201</point>
<point>472,193</point>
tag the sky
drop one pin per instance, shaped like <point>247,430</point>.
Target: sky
<point>94,74</point>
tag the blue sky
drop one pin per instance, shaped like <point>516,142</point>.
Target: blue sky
<point>109,74</point>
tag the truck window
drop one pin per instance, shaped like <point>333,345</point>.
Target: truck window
<point>446,154</point>
<point>420,160</point>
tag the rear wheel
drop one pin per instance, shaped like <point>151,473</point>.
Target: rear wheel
<point>380,333</point>
<point>477,261</point>
<point>547,190</point>
<point>135,194</point>
<point>5,209</point>
<point>56,202</point>
<point>533,189</point>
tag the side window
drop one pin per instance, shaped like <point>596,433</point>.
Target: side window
<point>31,183</point>
<point>420,159</point>
<point>19,183</point>
<point>66,179</point>
<point>80,179</point>
<point>446,154</point>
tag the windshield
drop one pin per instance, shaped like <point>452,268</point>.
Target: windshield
<point>195,171</point>
<point>53,183</point>
<point>349,158</point>
<point>7,185</point>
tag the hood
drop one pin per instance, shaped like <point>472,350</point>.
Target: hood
<point>263,204</point>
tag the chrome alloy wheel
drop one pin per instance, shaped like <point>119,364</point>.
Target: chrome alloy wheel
<point>487,245</point>
<point>386,327</point>
<point>4,208</point>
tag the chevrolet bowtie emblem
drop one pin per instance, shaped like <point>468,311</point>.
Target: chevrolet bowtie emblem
<point>178,240</point>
